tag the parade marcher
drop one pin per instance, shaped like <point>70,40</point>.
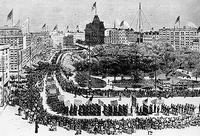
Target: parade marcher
<point>19,111</point>
<point>36,126</point>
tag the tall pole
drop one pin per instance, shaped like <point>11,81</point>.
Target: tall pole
<point>155,74</point>
<point>30,56</point>
<point>12,17</point>
<point>28,25</point>
<point>139,22</point>
<point>96,10</point>
<point>89,83</point>
<point>18,67</point>
<point>2,65</point>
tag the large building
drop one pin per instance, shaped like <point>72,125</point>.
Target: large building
<point>179,37</point>
<point>4,64</point>
<point>57,38</point>
<point>94,32</point>
<point>151,37</point>
<point>39,46</point>
<point>120,36</point>
<point>77,35</point>
<point>195,46</point>
<point>14,37</point>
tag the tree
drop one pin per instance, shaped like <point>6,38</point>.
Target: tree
<point>196,73</point>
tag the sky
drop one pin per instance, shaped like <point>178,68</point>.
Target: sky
<point>157,13</point>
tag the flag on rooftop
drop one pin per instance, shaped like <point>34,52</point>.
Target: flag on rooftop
<point>122,23</point>
<point>198,30</point>
<point>177,20</point>
<point>10,15</point>
<point>94,6</point>
<point>44,26</point>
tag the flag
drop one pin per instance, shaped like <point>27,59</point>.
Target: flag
<point>44,26</point>
<point>10,15</point>
<point>55,28</point>
<point>94,6</point>
<point>17,24</point>
<point>122,23</point>
<point>100,102</point>
<point>198,30</point>
<point>114,103</point>
<point>177,20</point>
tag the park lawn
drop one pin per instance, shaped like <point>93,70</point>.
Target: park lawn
<point>82,79</point>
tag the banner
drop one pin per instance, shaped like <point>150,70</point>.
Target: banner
<point>61,97</point>
<point>100,102</point>
<point>154,101</point>
<point>114,103</point>
<point>67,103</point>
<point>134,100</point>
<point>77,102</point>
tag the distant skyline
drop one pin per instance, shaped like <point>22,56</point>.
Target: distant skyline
<point>159,13</point>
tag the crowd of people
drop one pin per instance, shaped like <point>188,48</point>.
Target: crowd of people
<point>32,110</point>
<point>110,126</point>
<point>68,86</point>
<point>85,109</point>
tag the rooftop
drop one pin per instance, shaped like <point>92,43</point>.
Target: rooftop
<point>4,46</point>
<point>6,27</point>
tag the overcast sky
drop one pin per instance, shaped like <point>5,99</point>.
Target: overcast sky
<point>158,13</point>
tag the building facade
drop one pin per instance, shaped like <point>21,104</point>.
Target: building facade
<point>120,36</point>
<point>77,35</point>
<point>195,46</point>
<point>150,37</point>
<point>4,63</point>
<point>14,37</point>
<point>179,37</point>
<point>68,41</point>
<point>94,32</point>
<point>57,38</point>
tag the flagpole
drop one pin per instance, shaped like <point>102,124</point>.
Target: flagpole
<point>12,17</point>
<point>96,10</point>
<point>28,26</point>
<point>2,63</point>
